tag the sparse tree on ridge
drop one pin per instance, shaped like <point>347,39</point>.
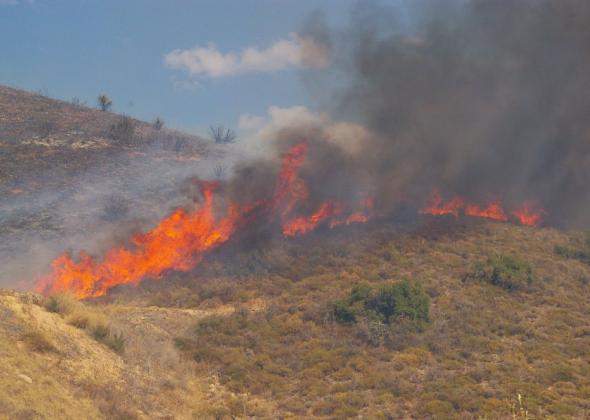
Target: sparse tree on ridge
<point>104,102</point>
<point>221,134</point>
<point>158,123</point>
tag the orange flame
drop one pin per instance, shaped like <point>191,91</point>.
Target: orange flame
<point>528,214</point>
<point>301,225</point>
<point>290,188</point>
<point>437,207</point>
<point>179,242</point>
<point>493,210</point>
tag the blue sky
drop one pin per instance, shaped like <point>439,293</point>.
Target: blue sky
<point>80,48</point>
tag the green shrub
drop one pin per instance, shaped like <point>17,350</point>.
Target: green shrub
<point>389,302</point>
<point>505,271</point>
<point>579,250</point>
<point>344,313</point>
<point>61,303</point>
<point>100,332</point>
<point>404,299</point>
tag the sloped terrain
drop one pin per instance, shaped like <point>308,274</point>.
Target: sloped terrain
<point>426,317</point>
<point>253,333</point>
<point>66,168</point>
<point>51,368</point>
<point>45,142</point>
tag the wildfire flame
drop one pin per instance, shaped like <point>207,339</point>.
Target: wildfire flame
<point>528,214</point>
<point>181,240</point>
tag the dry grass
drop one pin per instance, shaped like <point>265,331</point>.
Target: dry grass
<point>39,341</point>
<point>484,345</point>
<point>250,334</point>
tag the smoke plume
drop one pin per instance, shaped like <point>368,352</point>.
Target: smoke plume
<point>482,99</point>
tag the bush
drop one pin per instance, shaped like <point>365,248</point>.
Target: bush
<point>39,341</point>
<point>403,300</point>
<point>158,123</point>
<point>104,102</point>
<point>222,135</point>
<point>581,250</point>
<point>61,303</point>
<point>505,271</point>
<point>123,131</point>
<point>100,332</point>
<point>388,303</point>
<point>344,313</point>
<point>116,342</point>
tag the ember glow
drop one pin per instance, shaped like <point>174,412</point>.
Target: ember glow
<point>528,214</point>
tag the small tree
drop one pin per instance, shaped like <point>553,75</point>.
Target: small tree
<point>123,131</point>
<point>222,135</point>
<point>505,271</point>
<point>402,301</point>
<point>158,123</point>
<point>104,102</point>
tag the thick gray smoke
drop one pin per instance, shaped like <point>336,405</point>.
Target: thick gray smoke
<point>480,98</point>
<point>93,211</point>
<point>485,99</point>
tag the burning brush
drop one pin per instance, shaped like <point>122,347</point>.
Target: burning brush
<point>182,240</point>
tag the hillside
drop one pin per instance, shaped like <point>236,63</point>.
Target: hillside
<point>414,316</point>
<point>253,333</point>
<point>65,168</point>
<point>47,143</point>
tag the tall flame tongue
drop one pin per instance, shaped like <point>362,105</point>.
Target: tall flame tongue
<point>179,242</point>
<point>301,225</point>
<point>528,214</point>
<point>291,192</point>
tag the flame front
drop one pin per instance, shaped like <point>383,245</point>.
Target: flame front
<point>178,242</point>
<point>181,240</point>
<point>528,214</point>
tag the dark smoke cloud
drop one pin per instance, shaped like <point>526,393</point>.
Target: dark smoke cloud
<point>483,97</point>
<point>486,99</point>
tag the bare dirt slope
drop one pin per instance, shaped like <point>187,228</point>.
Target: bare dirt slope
<point>51,367</point>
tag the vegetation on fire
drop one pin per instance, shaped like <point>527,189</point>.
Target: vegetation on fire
<point>257,331</point>
<point>257,335</point>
